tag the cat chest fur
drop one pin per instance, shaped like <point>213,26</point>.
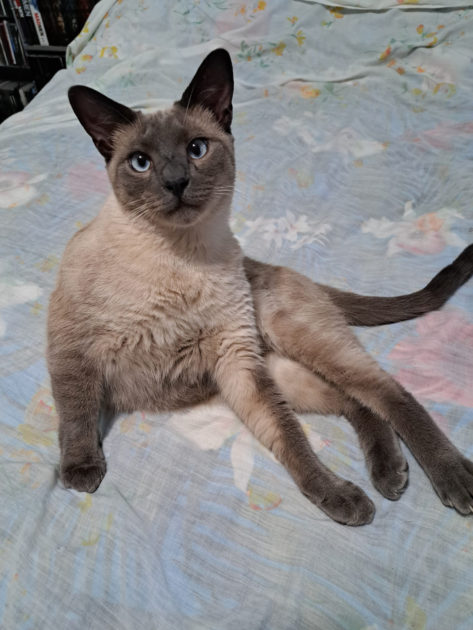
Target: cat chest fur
<point>159,355</point>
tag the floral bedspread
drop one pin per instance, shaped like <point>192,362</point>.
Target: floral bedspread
<point>354,139</point>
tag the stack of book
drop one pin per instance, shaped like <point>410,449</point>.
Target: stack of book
<point>14,95</point>
<point>11,49</point>
<point>25,23</point>
<point>33,39</point>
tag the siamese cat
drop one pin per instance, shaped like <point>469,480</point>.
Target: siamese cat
<point>156,308</point>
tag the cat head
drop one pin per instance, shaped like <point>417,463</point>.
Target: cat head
<point>173,167</point>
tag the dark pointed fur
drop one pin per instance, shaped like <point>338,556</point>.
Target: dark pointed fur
<point>364,310</point>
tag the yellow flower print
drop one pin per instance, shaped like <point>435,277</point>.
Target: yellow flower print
<point>85,504</point>
<point>86,57</point>
<point>293,20</point>
<point>112,52</point>
<point>303,178</point>
<point>32,435</point>
<point>448,89</point>
<point>385,54</point>
<point>420,29</point>
<point>81,69</point>
<point>336,12</point>
<point>279,49</point>
<point>415,615</point>
<point>261,6</point>
<point>36,308</point>
<point>309,92</point>
<point>260,499</point>
<point>300,38</point>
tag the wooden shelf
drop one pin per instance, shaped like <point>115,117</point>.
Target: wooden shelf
<point>45,50</point>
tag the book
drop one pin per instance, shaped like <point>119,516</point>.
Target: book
<point>16,44</point>
<point>4,36</point>
<point>54,21</point>
<point>5,9</point>
<point>9,93</point>
<point>30,37</point>
<point>20,19</point>
<point>72,18</point>
<point>26,91</point>
<point>38,22</point>
<point>3,56</point>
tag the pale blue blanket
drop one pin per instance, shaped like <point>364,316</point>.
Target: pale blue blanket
<point>354,140</point>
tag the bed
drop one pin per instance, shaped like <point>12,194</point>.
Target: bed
<point>354,139</point>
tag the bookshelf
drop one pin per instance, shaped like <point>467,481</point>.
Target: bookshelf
<point>33,38</point>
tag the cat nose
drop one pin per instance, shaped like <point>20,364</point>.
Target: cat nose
<point>177,186</point>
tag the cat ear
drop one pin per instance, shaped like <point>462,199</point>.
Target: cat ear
<point>212,87</point>
<point>100,116</point>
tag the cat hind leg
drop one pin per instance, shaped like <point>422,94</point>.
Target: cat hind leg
<point>306,392</point>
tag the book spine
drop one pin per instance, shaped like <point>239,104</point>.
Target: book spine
<point>70,14</point>
<point>38,22</point>
<point>54,21</point>
<point>26,91</point>
<point>20,20</point>
<point>32,38</point>
<point>16,44</point>
<point>13,42</point>
<point>15,101</point>
<point>6,43</point>
<point>3,55</point>
<point>5,9</point>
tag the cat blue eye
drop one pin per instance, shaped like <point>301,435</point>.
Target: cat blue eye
<point>140,162</point>
<point>197,148</point>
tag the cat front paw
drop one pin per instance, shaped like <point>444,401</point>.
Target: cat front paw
<point>389,473</point>
<point>343,501</point>
<point>84,476</point>
<point>453,482</point>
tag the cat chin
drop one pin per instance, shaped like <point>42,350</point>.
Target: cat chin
<point>183,215</point>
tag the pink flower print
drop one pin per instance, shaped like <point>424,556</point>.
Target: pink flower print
<point>17,188</point>
<point>84,178</point>
<point>425,234</point>
<point>437,363</point>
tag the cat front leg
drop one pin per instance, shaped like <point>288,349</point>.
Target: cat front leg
<point>247,388</point>
<point>77,392</point>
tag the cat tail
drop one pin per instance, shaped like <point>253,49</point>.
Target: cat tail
<point>364,310</point>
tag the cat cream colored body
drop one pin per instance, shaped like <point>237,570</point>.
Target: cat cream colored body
<point>154,315</point>
<point>157,308</point>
